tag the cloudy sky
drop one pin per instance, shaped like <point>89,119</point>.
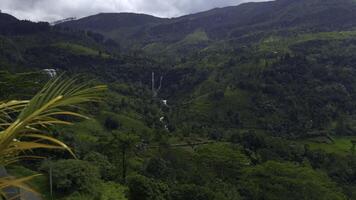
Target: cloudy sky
<point>51,10</point>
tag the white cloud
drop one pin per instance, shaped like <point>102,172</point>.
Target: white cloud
<point>50,10</point>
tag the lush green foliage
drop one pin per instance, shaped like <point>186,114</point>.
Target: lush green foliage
<point>260,102</point>
<point>273,180</point>
<point>74,175</point>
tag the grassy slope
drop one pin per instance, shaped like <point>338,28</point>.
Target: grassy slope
<point>77,49</point>
<point>281,44</point>
<point>341,145</point>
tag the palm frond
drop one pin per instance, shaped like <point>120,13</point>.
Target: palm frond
<point>8,110</point>
<point>8,182</point>
<point>45,109</point>
<point>23,123</point>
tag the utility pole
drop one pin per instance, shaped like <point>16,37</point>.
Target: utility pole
<point>50,177</point>
<point>124,167</point>
<point>51,180</point>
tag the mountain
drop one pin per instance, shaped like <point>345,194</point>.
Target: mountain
<point>10,25</point>
<point>7,19</point>
<point>243,64</point>
<point>199,106</point>
<point>112,21</point>
<point>225,62</point>
<point>223,23</point>
<point>121,26</point>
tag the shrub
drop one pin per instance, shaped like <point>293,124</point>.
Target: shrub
<point>74,175</point>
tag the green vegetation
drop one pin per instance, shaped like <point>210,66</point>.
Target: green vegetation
<point>251,102</point>
<point>277,180</point>
<point>77,49</point>
<point>39,183</point>
<point>339,145</point>
<point>23,121</point>
<point>281,45</point>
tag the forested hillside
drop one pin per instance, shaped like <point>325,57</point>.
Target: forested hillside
<point>250,20</point>
<point>250,102</point>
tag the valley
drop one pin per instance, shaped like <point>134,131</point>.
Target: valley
<point>249,102</point>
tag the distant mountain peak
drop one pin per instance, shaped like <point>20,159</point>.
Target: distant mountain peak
<point>111,21</point>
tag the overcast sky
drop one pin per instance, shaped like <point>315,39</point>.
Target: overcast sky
<point>51,10</point>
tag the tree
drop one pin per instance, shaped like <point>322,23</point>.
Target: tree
<point>75,175</point>
<point>143,188</point>
<point>125,142</point>
<point>112,191</point>
<point>191,192</point>
<point>273,180</point>
<point>101,161</point>
<point>222,159</point>
<point>156,168</point>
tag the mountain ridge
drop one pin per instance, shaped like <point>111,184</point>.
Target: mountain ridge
<point>223,23</point>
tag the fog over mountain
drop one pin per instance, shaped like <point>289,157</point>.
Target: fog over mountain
<point>50,10</point>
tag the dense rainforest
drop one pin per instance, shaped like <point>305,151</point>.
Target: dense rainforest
<point>250,102</point>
